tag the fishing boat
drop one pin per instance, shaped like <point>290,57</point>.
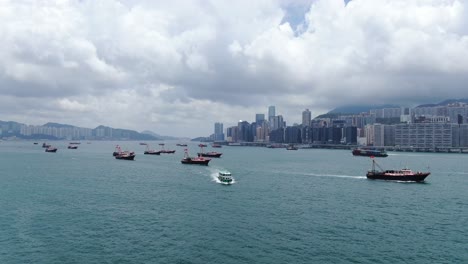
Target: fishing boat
<point>395,175</point>
<point>369,152</point>
<point>149,151</point>
<point>165,151</point>
<point>120,154</point>
<point>51,149</point>
<point>225,177</point>
<point>126,155</point>
<point>194,160</point>
<point>210,154</point>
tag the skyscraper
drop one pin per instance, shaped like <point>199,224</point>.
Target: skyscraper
<point>259,119</point>
<point>271,112</point>
<point>306,117</point>
<point>218,131</point>
<point>271,115</point>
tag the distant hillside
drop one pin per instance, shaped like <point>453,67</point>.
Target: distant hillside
<point>147,132</point>
<point>14,129</point>
<point>356,109</point>
<point>446,102</point>
<point>57,125</point>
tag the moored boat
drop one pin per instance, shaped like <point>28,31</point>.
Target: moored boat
<point>225,177</point>
<point>149,151</point>
<point>165,151</point>
<point>210,154</point>
<point>369,152</point>
<point>194,160</point>
<point>126,155</point>
<point>396,175</point>
<point>51,149</point>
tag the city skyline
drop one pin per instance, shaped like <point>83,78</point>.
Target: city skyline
<point>153,65</point>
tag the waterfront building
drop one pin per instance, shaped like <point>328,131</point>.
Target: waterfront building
<point>231,134</point>
<point>306,117</point>
<point>424,135</point>
<point>292,135</point>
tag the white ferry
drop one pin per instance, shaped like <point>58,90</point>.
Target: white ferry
<point>225,177</point>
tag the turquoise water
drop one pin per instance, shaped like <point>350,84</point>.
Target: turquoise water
<point>305,206</point>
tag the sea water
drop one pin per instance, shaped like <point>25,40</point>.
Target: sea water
<point>305,206</point>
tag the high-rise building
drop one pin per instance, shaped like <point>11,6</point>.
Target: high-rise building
<point>271,112</point>
<point>306,117</point>
<point>218,132</point>
<point>259,119</point>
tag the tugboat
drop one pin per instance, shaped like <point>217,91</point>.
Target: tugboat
<point>50,149</point>
<point>396,175</point>
<point>165,151</point>
<point>225,177</point>
<point>369,152</point>
<point>211,154</point>
<point>149,151</point>
<point>191,160</point>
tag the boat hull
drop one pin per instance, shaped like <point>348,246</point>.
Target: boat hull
<point>210,155</point>
<point>152,152</point>
<point>51,150</point>
<point>419,177</point>
<point>125,157</point>
<point>369,153</point>
<point>195,161</point>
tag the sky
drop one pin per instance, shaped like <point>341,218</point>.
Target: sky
<point>177,67</point>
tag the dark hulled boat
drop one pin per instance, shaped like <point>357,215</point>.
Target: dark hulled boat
<point>149,151</point>
<point>44,145</point>
<point>72,146</point>
<point>210,154</point>
<point>50,149</point>
<point>126,155</point>
<point>181,144</point>
<point>194,160</point>
<point>165,151</point>
<point>396,175</point>
<point>369,152</point>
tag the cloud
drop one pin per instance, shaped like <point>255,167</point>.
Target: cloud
<point>176,67</point>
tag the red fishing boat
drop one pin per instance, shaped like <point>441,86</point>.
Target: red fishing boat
<point>194,160</point>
